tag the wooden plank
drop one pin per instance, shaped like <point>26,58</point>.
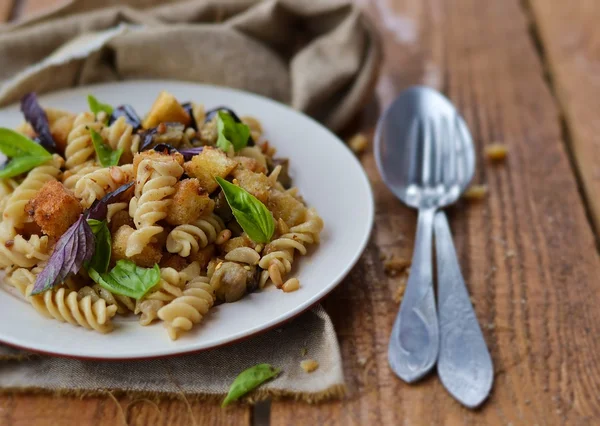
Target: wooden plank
<point>527,250</point>
<point>42,410</point>
<point>6,7</point>
<point>570,38</point>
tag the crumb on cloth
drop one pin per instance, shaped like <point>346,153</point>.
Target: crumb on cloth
<point>394,265</point>
<point>309,365</point>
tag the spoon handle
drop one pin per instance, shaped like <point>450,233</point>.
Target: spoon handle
<point>414,341</point>
<point>464,364</point>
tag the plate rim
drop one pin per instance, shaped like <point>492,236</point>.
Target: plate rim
<point>274,323</point>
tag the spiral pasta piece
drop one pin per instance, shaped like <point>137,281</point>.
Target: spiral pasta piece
<point>279,253</point>
<point>124,304</point>
<point>20,279</point>
<point>119,135</point>
<point>95,185</point>
<point>7,187</point>
<point>186,240</point>
<point>71,177</point>
<point>155,183</point>
<point>182,313</point>
<point>168,288</point>
<point>14,211</point>
<point>80,149</point>
<point>64,305</point>
<point>115,208</point>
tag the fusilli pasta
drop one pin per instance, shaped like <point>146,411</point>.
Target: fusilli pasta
<point>182,313</point>
<point>119,135</point>
<point>80,149</point>
<point>95,185</point>
<point>155,183</point>
<point>64,305</point>
<point>186,240</point>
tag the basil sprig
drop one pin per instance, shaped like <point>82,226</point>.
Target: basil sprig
<point>252,215</point>
<point>249,380</point>
<point>74,248</point>
<point>106,155</point>
<point>24,153</point>
<point>103,245</point>
<point>96,106</point>
<point>231,133</point>
<point>127,279</point>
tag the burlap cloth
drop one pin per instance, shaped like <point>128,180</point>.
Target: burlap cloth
<point>320,56</point>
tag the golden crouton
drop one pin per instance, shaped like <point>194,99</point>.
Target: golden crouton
<point>250,164</point>
<point>190,202</point>
<point>54,208</point>
<point>211,162</point>
<point>164,110</point>
<point>173,261</point>
<point>150,255</point>
<point>237,242</point>
<point>204,256</point>
<point>286,207</point>
<point>154,155</point>
<point>256,184</point>
<point>119,219</point>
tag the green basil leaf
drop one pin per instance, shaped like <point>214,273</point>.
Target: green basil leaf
<point>252,215</point>
<point>14,144</point>
<point>101,258</point>
<point>231,133</point>
<point>106,155</point>
<point>96,106</point>
<point>20,165</point>
<point>249,380</point>
<point>127,279</point>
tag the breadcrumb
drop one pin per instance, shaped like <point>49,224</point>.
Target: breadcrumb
<point>309,365</point>
<point>496,152</point>
<point>475,193</point>
<point>399,294</point>
<point>394,266</point>
<point>303,351</point>
<point>358,143</point>
<point>54,208</point>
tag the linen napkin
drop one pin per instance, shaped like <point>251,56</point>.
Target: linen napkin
<point>320,56</point>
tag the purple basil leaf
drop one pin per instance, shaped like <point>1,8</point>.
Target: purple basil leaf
<point>36,116</point>
<point>147,138</point>
<point>100,208</point>
<point>211,113</point>
<point>162,147</point>
<point>188,108</point>
<point>130,115</point>
<point>188,153</point>
<point>75,247</point>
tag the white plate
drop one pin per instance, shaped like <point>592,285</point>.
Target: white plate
<point>324,169</point>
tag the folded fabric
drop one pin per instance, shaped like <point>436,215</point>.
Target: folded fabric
<point>320,56</point>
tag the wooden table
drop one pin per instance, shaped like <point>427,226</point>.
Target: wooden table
<point>525,73</point>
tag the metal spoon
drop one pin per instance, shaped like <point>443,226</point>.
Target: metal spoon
<point>425,154</point>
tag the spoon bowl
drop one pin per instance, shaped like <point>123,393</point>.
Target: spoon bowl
<point>413,144</point>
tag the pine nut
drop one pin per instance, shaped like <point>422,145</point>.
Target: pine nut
<point>291,285</point>
<point>275,275</point>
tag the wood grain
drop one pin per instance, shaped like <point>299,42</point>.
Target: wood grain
<point>527,251</point>
<point>571,39</point>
